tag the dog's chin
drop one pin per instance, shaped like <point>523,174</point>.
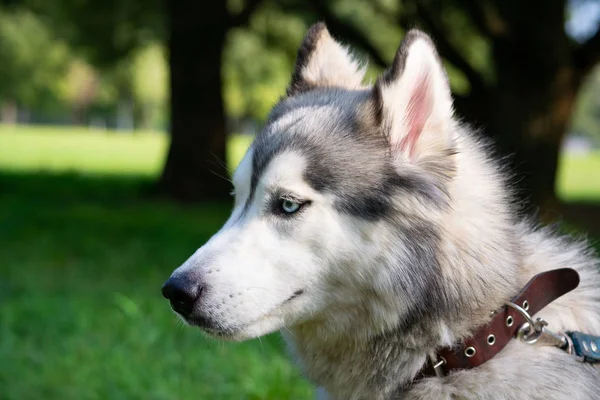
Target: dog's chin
<point>228,335</point>
<point>264,326</point>
<point>279,318</point>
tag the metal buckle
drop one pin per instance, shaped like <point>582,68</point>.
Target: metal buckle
<point>570,349</point>
<point>535,332</point>
<point>521,311</point>
<point>437,365</point>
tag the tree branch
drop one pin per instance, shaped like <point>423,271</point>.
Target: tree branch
<point>347,30</point>
<point>244,16</point>
<point>446,48</point>
<point>588,54</point>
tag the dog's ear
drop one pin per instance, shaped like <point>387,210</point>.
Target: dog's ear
<point>413,101</point>
<point>322,61</point>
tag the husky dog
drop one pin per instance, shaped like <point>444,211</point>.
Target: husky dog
<point>375,228</point>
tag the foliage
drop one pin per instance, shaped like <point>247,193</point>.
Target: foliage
<point>586,119</point>
<point>251,88</point>
<point>45,71</point>
<point>121,56</point>
<point>84,58</point>
<point>273,37</point>
<point>150,80</point>
<point>81,78</point>
<point>150,86</point>
<point>32,60</point>
<point>104,32</point>
<point>140,80</point>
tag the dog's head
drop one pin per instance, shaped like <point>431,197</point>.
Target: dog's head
<point>335,197</point>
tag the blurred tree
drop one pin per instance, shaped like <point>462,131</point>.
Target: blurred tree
<point>79,88</point>
<point>523,97</point>
<point>513,68</point>
<point>136,84</point>
<point>196,42</point>
<point>108,35</point>
<point>252,88</point>
<point>150,86</point>
<point>33,63</point>
<point>586,120</point>
<point>108,32</point>
<point>103,34</point>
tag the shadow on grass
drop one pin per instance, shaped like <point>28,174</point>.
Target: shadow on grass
<point>82,260</point>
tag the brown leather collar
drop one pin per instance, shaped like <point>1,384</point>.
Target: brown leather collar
<point>541,290</point>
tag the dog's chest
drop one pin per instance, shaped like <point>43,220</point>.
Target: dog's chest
<point>344,374</point>
<point>351,372</point>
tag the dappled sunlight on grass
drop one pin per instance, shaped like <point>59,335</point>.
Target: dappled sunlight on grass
<point>81,150</point>
<point>92,151</point>
<point>579,177</point>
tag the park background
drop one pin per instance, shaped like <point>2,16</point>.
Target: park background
<point>119,120</point>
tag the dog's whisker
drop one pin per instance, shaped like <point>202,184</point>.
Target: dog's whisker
<point>220,176</point>
<point>220,162</point>
<point>288,330</point>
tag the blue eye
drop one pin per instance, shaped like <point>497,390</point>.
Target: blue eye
<point>290,206</point>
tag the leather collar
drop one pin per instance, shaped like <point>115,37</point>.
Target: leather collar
<point>491,338</point>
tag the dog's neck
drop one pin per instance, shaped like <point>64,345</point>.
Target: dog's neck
<point>362,359</point>
<point>351,369</point>
<point>352,365</point>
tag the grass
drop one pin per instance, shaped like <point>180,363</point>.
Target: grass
<point>81,315</point>
<point>83,150</point>
<point>90,151</point>
<point>579,177</point>
<point>82,259</point>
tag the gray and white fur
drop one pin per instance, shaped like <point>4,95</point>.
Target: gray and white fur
<point>372,227</point>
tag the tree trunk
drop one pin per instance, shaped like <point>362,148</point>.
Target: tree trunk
<point>527,111</point>
<point>533,154</point>
<point>193,169</point>
<point>527,128</point>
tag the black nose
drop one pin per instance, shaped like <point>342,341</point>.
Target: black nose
<point>182,293</point>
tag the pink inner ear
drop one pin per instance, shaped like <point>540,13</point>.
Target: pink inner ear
<point>417,112</point>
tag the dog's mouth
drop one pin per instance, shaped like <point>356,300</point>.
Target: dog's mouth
<point>216,330</point>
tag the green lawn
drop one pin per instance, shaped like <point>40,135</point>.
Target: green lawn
<point>579,177</point>
<point>24,148</point>
<point>82,259</point>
